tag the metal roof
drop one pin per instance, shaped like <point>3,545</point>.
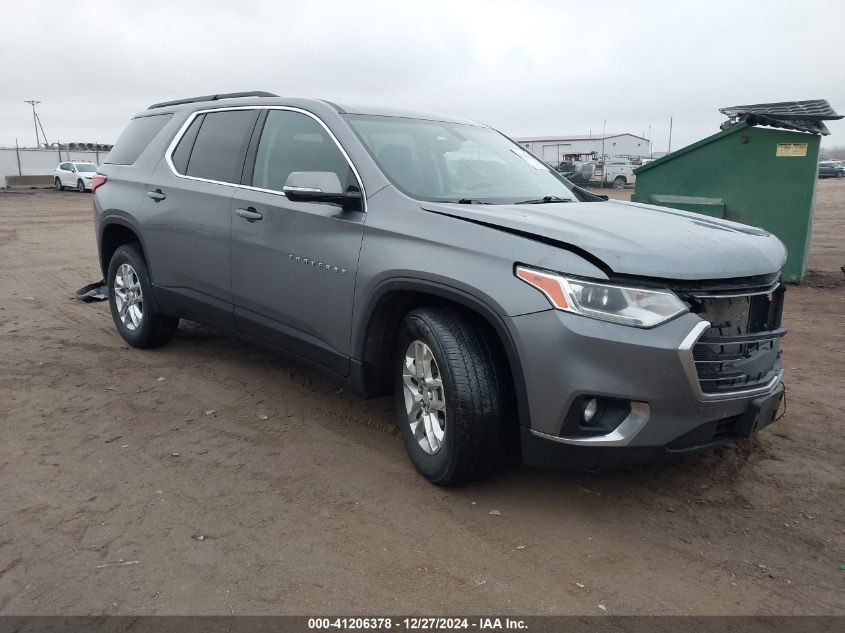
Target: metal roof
<point>581,137</point>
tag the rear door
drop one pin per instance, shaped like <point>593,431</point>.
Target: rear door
<point>187,213</point>
<point>293,270</point>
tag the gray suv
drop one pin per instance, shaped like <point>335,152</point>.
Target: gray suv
<point>430,257</point>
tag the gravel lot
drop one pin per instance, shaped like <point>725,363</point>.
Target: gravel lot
<point>211,476</point>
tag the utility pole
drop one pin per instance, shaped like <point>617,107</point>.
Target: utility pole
<point>650,153</point>
<point>34,103</point>
<point>603,157</point>
<point>18,154</point>
<point>43,133</point>
<point>670,136</point>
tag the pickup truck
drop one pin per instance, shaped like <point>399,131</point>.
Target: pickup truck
<point>592,172</point>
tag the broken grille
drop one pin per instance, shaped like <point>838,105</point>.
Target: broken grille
<point>740,350</point>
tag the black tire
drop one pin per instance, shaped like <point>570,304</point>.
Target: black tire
<point>58,184</point>
<point>154,328</point>
<point>80,186</point>
<point>475,396</point>
<point>840,174</point>
<point>619,182</point>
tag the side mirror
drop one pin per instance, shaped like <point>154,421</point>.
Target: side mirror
<point>319,186</point>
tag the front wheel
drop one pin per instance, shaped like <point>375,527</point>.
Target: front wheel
<point>449,396</point>
<point>80,186</point>
<point>619,182</point>
<point>132,302</point>
<point>58,184</point>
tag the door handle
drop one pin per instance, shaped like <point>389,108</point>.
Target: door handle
<point>156,195</point>
<point>249,214</point>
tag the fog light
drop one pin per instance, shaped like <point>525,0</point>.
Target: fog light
<point>590,409</point>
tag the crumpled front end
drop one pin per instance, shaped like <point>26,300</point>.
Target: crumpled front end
<point>705,378</point>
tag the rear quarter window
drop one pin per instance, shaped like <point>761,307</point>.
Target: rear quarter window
<point>135,138</point>
<point>219,148</point>
<point>182,153</point>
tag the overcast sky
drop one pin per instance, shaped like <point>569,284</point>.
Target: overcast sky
<point>527,68</point>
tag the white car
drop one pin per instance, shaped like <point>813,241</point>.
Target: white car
<point>75,174</point>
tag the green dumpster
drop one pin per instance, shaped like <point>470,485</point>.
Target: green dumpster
<point>748,173</point>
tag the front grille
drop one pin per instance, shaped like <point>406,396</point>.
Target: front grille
<point>740,349</point>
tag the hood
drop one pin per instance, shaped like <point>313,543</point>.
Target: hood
<point>636,239</point>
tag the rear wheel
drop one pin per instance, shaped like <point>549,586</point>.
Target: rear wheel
<point>80,186</point>
<point>58,184</point>
<point>619,182</point>
<point>132,302</point>
<point>449,397</point>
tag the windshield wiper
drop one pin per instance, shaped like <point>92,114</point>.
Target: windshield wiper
<point>545,200</point>
<point>460,201</point>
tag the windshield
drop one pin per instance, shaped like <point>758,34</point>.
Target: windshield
<point>433,160</point>
<point>85,167</point>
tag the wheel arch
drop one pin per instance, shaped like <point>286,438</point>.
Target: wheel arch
<point>381,317</point>
<point>116,232</point>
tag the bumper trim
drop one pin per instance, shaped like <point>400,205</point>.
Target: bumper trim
<point>688,363</point>
<point>620,436</point>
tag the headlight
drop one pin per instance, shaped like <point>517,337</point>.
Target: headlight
<point>639,307</point>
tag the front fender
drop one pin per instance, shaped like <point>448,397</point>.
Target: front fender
<point>484,307</point>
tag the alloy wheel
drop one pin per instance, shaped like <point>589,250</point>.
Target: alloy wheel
<point>128,297</point>
<point>425,398</point>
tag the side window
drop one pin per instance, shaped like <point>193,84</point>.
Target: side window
<point>217,152</point>
<point>64,167</point>
<point>292,141</point>
<point>182,153</point>
<point>135,138</point>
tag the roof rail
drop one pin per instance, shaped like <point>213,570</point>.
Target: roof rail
<point>230,95</point>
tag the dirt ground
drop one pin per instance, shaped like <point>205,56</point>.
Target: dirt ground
<point>211,477</point>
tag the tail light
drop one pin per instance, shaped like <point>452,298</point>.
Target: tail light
<point>98,181</point>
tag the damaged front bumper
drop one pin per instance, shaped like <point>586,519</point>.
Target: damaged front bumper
<point>648,377</point>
